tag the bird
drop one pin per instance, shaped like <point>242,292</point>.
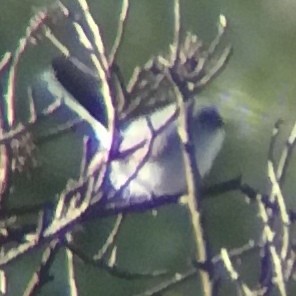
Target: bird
<point>163,172</point>
<point>149,159</point>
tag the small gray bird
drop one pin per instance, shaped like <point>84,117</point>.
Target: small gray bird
<point>156,166</point>
<point>163,170</point>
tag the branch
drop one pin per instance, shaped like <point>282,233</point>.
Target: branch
<point>42,276</point>
<point>113,269</point>
<point>35,23</point>
<point>193,178</point>
<point>120,32</point>
<point>111,238</point>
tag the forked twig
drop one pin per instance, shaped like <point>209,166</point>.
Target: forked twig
<point>111,238</point>
<point>95,38</point>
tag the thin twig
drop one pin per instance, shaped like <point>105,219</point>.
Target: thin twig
<point>114,269</point>
<point>193,197</point>
<point>111,238</point>
<point>4,161</point>
<point>94,36</point>
<point>191,170</point>
<point>168,284</point>
<point>193,188</point>
<point>246,291</point>
<point>55,42</point>
<point>3,283</point>
<point>285,157</point>
<point>120,32</point>
<point>59,225</point>
<point>71,269</point>
<point>175,47</point>
<point>35,23</point>
<point>268,238</point>
<point>101,73</point>
<point>191,272</point>
<point>4,62</point>
<point>279,198</point>
<point>216,70</point>
<point>275,133</point>
<point>42,276</point>
<point>149,146</point>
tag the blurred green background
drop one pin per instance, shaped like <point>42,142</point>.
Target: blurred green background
<point>255,90</point>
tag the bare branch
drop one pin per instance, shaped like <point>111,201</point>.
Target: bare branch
<point>245,290</point>
<point>110,241</point>
<point>4,62</point>
<point>95,39</point>
<point>114,269</point>
<point>268,237</point>
<point>3,282</point>
<point>71,269</point>
<point>35,23</point>
<point>276,194</point>
<point>175,47</point>
<point>285,158</point>
<point>166,285</point>
<point>193,197</point>
<point>42,276</point>
<point>120,32</point>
